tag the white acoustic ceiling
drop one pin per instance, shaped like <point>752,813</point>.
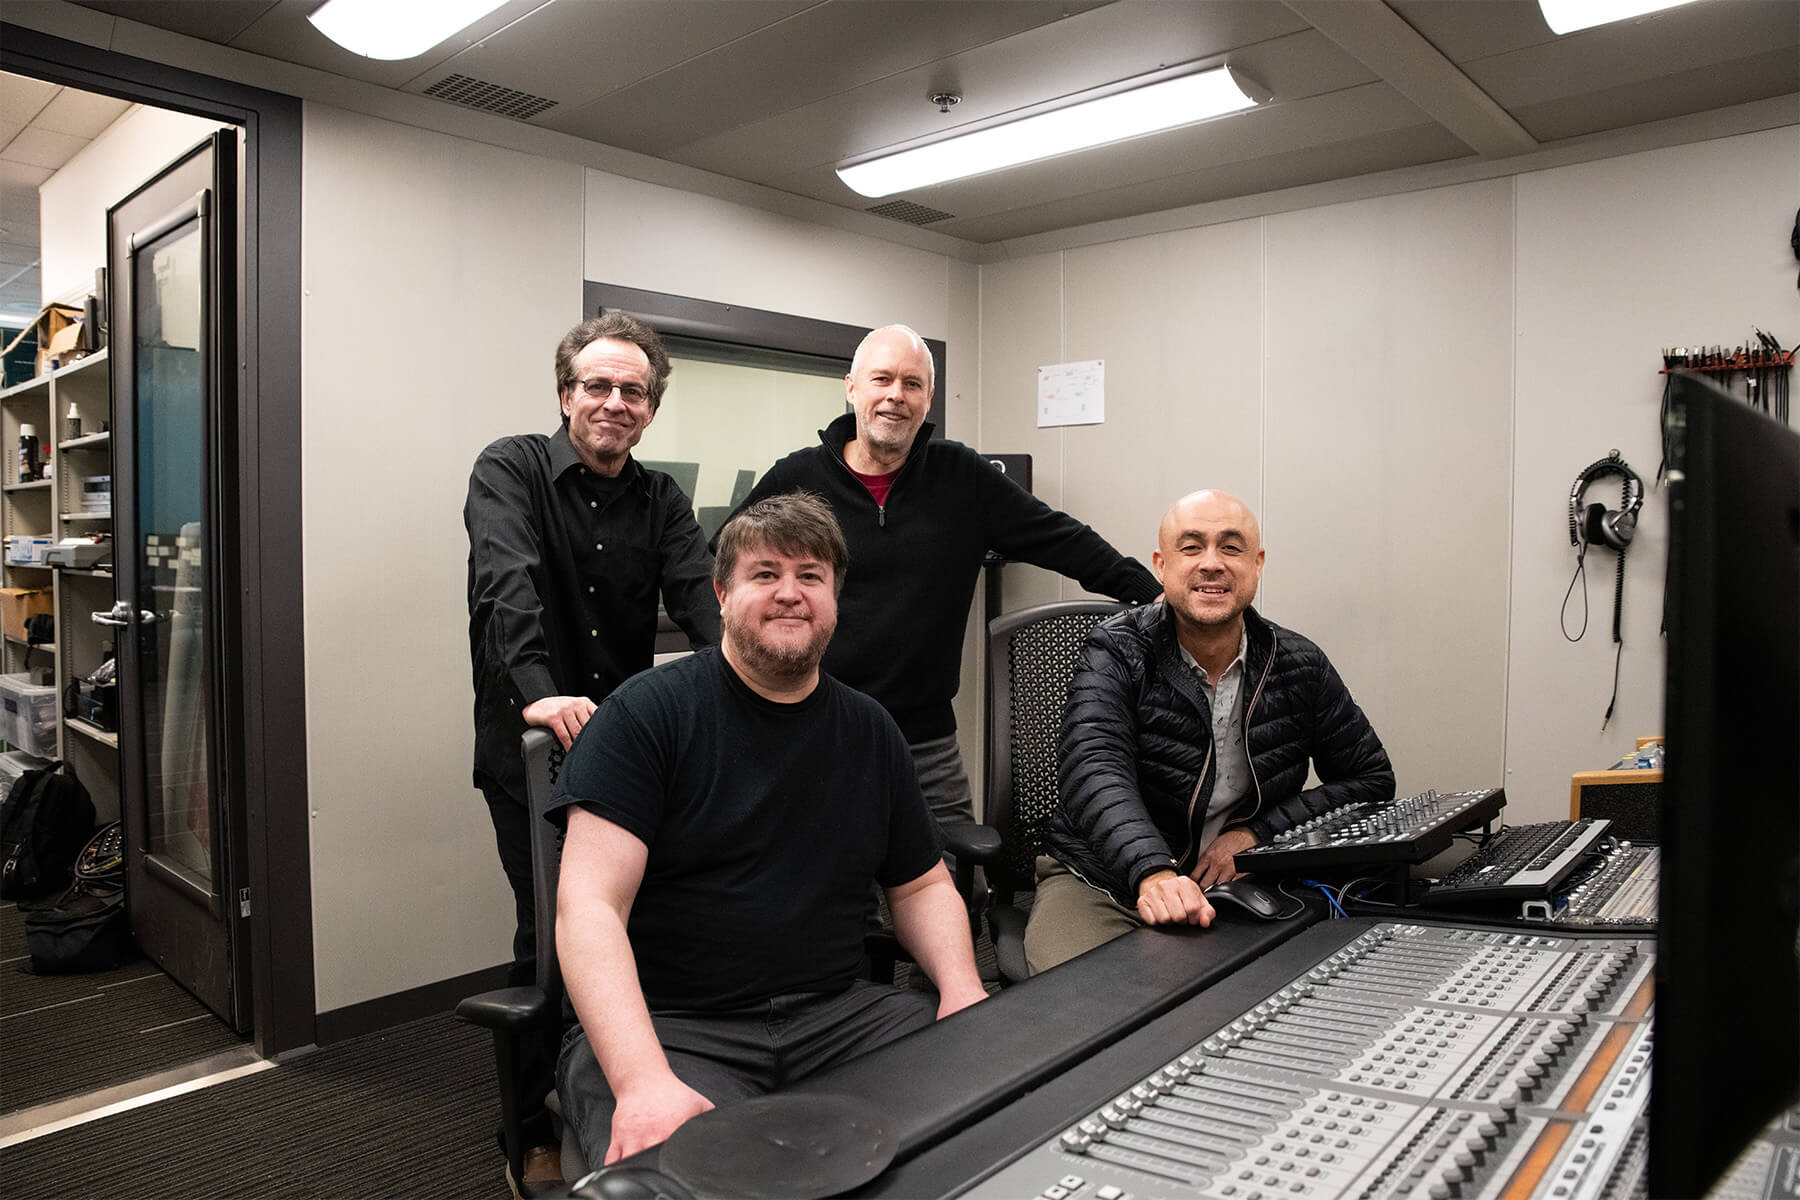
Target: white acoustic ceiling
<point>778,92</point>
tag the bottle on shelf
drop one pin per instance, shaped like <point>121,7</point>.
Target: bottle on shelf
<point>73,421</point>
<point>30,465</point>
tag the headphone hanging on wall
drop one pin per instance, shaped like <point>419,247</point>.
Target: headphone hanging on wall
<point>1613,529</point>
<point>1595,524</point>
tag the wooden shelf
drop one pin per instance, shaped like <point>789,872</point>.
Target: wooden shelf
<point>88,730</point>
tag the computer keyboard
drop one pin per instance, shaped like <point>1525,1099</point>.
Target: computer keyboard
<point>1523,862</point>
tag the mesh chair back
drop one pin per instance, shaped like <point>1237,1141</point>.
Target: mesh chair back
<point>1031,659</point>
<point>543,759</point>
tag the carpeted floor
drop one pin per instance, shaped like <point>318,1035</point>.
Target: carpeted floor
<point>65,1035</point>
<point>407,1112</point>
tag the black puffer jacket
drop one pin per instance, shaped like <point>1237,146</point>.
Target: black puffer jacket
<point>1135,767</point>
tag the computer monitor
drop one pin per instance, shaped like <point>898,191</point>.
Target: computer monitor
<point>1726,1055</point>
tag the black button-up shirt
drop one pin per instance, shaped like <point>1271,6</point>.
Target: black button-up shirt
<point>565,566</point>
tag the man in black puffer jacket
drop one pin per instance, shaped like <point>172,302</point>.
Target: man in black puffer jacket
<point>1186,740</point>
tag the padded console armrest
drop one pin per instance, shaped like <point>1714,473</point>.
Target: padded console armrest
<point>980,843</point>
<point>506,1008</point>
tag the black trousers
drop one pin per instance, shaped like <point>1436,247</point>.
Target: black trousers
<point>537,1056</point>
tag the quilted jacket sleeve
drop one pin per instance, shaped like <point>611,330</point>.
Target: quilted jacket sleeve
<point>1097,770</point>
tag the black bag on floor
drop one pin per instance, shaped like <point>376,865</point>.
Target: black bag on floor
<point>86,929</point>
<point>45,820</point>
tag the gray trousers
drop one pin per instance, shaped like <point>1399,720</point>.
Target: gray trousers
<point>738,1053</point>
<point>943,781</point>
<point>1069,918</point>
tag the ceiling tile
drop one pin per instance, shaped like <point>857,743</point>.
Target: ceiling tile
<point>576,53</point>
<point>80,114</point>
<point>22,98</point>
<point>209,20</point>
<point>42,148</point>
<point>1758,77</point>
<point>829,49</point>
<point>1650,48</point>
<point>1464,30</point>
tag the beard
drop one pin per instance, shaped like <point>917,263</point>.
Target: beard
<point>784,661</point>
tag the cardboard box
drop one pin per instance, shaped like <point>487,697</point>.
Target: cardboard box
<point>16,604</point>
<point>58,329</point>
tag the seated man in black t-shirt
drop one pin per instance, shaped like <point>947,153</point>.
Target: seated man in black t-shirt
<point>726,815</point>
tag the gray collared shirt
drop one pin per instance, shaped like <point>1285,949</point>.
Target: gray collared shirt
<point>1231,759</point>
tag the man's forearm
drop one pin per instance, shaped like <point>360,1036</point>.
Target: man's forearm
<point>933,926</point>
<point>601,977</point>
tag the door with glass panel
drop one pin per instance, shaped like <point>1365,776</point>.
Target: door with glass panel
<point>172,258</point>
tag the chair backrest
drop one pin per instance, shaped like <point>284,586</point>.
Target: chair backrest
<point>543,758</point>
<point>1031,659</point>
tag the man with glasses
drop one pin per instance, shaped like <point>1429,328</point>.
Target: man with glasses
<point>571,542</point>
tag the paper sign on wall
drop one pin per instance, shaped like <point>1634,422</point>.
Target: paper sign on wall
<point>1071,394</point>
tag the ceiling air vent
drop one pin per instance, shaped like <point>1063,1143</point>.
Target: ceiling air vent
<point>489,97</point>
<point>912,214</point>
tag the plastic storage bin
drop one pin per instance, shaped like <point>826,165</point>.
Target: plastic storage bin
<point>14,764</point>
<point>28,715</point>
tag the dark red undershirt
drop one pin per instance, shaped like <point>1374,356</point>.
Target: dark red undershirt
<point>878,485</point>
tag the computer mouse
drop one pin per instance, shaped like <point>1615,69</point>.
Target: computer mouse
<point>1248,896</point>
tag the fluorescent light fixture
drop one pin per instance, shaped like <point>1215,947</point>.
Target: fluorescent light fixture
<point>396,29</point>
<point>1566,16</point>
<point>1112,118</point>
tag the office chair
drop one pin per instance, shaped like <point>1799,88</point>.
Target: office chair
<point>1031,659</point>
<point>514,1013</point>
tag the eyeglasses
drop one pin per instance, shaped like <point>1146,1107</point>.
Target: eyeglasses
<point>599,387</point>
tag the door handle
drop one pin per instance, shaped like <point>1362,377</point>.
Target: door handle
<point>122,614</point>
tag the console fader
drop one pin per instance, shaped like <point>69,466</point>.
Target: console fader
<point>1419,1061</point>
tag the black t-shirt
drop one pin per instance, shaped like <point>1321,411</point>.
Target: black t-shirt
<point>766,824</point>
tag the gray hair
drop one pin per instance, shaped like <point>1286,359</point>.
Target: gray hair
<point>912,336</point>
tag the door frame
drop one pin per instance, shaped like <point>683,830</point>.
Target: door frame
<point>268,640</point>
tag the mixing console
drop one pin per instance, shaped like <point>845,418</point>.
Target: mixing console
<point>1408,830</point>
<point>1616,889</point>
<point>1417,1061</point>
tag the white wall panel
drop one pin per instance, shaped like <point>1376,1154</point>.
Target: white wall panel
<point>1388,463</point>
<point>72,203</point>
<point>438,276</point>
<point>1021,322</point>
<point>1176,320</point>
<point>644,236</point>
<point>1618,259</point>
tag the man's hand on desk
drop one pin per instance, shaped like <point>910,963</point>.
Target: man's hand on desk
<point>1216,863</point>
<point>1166,898</point>
<point>562,715</point>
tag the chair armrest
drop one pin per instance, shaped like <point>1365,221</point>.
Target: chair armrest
<point>1008,929</point>
<point>977,843</point>
<point>506,1008</point>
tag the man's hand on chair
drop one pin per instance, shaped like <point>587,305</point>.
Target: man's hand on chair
<point>562,715</point>
<point>649,1113</point>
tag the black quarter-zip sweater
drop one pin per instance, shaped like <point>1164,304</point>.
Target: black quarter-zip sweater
<point>914,563</point>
